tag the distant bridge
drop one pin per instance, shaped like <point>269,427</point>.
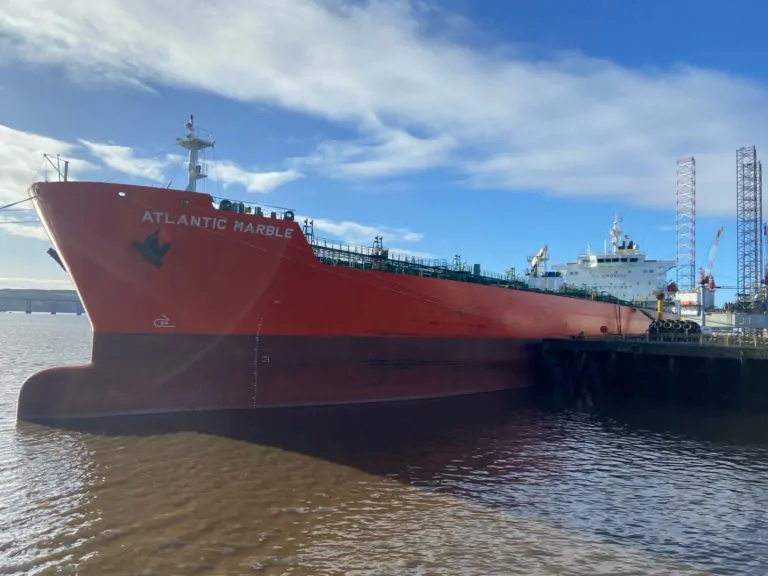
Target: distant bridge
<point>49,305</point>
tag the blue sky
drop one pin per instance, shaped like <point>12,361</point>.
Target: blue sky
<point>480,128</point>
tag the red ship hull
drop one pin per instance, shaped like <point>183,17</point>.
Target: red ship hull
<point>239,313</point>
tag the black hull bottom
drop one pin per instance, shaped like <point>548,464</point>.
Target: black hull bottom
<point>137,374</point>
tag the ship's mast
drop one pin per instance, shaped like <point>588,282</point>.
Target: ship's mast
<point>616,231</point>
<point>194,145</point>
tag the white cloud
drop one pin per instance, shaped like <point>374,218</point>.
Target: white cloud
<point>387,152</point>
<point>33,283</point>
<point>362,234</point>
<point>22,162</point>
<point>228,173</point>
<point>122,159</point>
<point>567,125</point>
<point>410,253</point>
<point>26,225</point>
<point>156,168</point>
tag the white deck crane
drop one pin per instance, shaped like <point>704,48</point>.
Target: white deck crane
<point>705,274</point>
<point>538,261</point>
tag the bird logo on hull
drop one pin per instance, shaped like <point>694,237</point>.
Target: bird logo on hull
<point>151,249</point>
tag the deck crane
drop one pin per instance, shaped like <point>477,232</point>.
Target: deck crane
<point>705,274</point>
<point>541,256</point>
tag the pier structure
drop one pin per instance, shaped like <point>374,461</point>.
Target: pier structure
<point>727,371</point>
<point>41,305</point>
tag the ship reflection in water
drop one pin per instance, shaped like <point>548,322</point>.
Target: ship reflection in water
<point>462,488</point>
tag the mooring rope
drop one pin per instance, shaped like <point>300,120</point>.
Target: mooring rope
<point>12,204</point>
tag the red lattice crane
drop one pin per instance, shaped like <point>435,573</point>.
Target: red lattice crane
<point>705,274</point>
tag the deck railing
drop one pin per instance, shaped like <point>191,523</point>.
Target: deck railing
<point>253,208</point>
<point>336,253</point>
<point>753,340</point>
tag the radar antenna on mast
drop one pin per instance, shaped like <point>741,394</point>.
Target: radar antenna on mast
<point>194,145</point>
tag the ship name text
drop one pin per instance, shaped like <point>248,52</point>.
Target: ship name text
<point>216,223</point>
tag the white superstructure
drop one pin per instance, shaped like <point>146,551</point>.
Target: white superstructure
<point>623,271</point>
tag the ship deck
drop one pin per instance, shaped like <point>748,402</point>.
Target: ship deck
<point>332,253</point>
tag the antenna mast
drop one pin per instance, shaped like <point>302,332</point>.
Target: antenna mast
<point>62,174</point>
<point>194,145</point>
<point>616,232</point>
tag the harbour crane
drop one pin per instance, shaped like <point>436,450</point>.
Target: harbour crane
<point>706,278</point>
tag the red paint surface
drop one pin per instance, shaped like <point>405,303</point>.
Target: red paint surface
<point>223,282</point>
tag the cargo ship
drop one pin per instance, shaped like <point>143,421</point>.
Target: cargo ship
<point>200,303</point>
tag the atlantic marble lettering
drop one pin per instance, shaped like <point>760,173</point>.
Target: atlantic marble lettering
<point>214,223</point>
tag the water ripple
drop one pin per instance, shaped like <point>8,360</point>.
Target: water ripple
<point>528,493</point>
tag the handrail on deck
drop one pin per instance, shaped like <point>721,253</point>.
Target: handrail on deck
<point>389,260</point>
<point>715,339</point>
<point>374,252</point>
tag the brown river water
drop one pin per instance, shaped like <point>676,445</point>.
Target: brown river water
<point>501,488</point>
